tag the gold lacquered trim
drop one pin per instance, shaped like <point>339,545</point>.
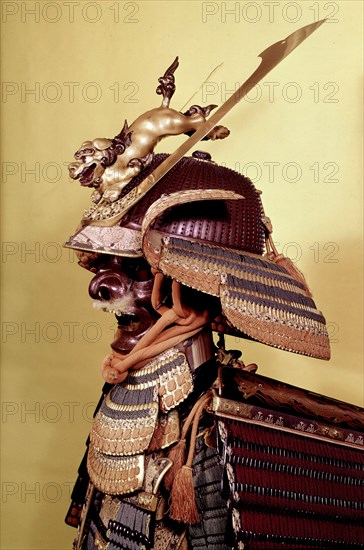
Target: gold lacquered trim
<point>137,407</point>
<point>162,359</point>
<point>183,197</point>
<point>126,253</point>
<point>227,408</point>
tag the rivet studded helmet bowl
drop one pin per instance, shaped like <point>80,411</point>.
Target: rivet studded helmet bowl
<point>189,228</point>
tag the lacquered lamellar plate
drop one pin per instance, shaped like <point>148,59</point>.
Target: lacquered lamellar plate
<point>115,475</point>
<point>128,435</point>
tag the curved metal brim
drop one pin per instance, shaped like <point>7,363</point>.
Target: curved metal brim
<point>119,241</point>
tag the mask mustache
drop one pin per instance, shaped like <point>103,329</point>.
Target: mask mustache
<point>119,306</point>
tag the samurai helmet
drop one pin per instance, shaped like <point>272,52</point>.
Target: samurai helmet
<point>201,224</point>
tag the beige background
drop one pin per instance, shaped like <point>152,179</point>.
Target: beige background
<point>90,66</point>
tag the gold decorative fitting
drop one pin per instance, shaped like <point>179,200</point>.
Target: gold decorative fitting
<point>109,508</point>
<point>100,543</point>
<point>108,165</point>
<point>147,501</point>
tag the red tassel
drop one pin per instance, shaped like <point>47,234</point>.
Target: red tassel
<point>178,456</point>
<point>183,500</point>
<point>289,266</point>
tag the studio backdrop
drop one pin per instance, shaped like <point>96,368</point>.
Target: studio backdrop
<point>73,71</point>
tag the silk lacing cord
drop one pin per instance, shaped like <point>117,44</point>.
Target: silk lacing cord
<point>175,325</point>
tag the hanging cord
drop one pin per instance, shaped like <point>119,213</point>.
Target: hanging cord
<point>178,453</point>
<point>183,505</point>
<point>279,259</point>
